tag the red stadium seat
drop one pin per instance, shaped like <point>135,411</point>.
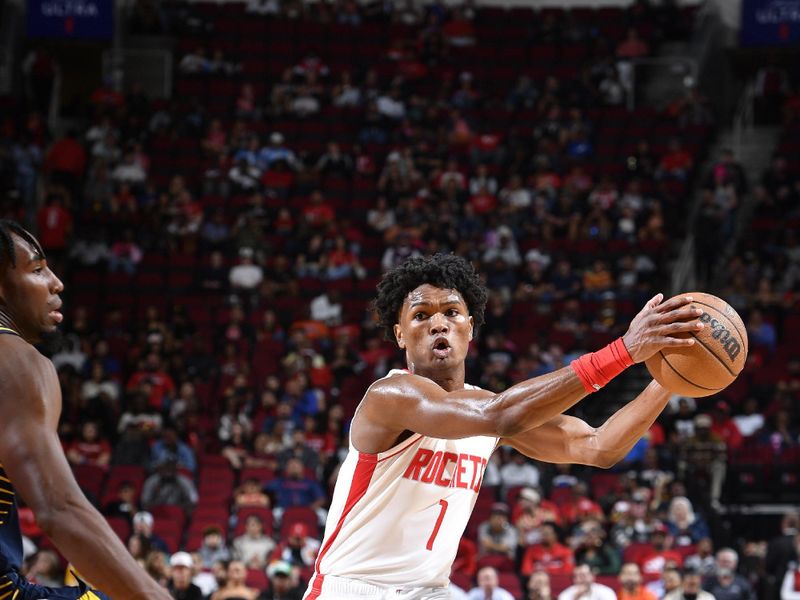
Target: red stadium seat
<point>257,578</point>
<point>262,474</point>
<point>90,478</point>
<point>121,526</point>
<point>299,514</point>
<point>511,583</point>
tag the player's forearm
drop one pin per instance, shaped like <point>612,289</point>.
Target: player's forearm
<point>533,402</point>
<point>616,437</point>
<point>84,537</point>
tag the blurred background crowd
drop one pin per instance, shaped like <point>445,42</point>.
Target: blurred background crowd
<point>220,250</point>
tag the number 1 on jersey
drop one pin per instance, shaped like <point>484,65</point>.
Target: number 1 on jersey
<point>443,504</point>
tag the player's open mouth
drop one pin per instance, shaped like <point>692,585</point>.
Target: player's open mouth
<point>55,314</point>
<point>441,348</point>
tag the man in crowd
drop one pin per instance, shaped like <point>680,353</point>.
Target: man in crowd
<point>180,581</point>
<point>630,579</point>
<point>488,587</point>
<point>584,587</point>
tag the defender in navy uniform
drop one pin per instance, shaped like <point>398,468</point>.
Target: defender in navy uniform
<point>32,462</point>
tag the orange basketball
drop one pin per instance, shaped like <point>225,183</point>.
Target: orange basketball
<point>713,361</point>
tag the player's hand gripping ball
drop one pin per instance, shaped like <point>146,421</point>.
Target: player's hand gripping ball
<point>715,359</point>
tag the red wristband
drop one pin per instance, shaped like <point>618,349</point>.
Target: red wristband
<point>596,369</point>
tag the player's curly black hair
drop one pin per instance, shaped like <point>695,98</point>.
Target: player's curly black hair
<point>445,271</point>
<point>8,255</point>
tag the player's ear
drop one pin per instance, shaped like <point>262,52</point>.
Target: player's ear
<point>471,327</point>
<point>398,335</point>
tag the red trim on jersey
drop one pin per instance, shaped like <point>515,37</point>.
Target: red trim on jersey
<point>411,441</point>
<point>358,487</point>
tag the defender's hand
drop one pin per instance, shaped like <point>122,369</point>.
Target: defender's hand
<point>657,324</point>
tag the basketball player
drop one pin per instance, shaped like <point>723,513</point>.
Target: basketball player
<point>32,462</point>
<point>421,437</point>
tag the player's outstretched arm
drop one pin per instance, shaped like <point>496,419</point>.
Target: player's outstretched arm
<point>413,403</point>
<point>30,406</point>
<point>566,439</point>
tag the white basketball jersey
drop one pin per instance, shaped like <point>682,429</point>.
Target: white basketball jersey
<point>397,517</point>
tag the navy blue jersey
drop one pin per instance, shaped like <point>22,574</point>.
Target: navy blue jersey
<point>10,536</point>
<point>12,585</point>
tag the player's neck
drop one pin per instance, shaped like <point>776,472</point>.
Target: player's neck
<point>7,322</point>
<point>451,379</point>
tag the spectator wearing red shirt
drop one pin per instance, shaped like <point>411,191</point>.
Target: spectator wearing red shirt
<point>299,548</point>
<point>66,160</point>
<point>483,202</point>
<point>54,223</point>
<point>158,382</point>
<point>724,426</point>
<point>459,30</point>
<point>652,560</point>
<point>676,163</point>
<point>318,214</point>
<point>632,46</point>
<point>580,506</point>
<point>89,449</point>
<point>342,263</point>
<point>548,555</point>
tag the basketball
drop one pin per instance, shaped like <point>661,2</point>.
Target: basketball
<point>713,361</point>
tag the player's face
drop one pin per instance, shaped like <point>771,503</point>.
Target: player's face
<point>29,293</point>
<point>434,329</point>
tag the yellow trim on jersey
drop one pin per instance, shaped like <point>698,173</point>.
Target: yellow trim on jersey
<point>6,595</point>
<point>89,595</point>
<point>6,584</point>
<point>6,502</point>
<point>15,595</point>
<point>8,329</point>
<point>6,479</point>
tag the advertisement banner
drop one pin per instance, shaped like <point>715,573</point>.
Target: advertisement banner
<point>78,19</point>
<point>770,22</point>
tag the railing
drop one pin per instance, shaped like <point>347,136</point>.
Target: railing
<point>684,68</point>
<point>683,273</point>
<point>150,67</point>
<point>9,19</point>
<point>743,120</point>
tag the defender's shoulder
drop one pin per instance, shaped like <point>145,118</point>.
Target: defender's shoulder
<point>23,369</point>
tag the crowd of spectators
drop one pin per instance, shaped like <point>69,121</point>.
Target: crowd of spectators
<point>219,252</point>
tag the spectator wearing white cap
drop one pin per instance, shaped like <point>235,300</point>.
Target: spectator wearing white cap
<point>143,527</point>
<point>180,580</point>
<point>275,152</point>
<point>283,584</point>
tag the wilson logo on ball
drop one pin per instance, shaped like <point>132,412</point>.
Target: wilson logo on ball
<point>721,333</point>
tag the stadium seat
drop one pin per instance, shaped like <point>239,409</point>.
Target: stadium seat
<point>90,478</point>
<point>121,526</point>
<point>257,578</point>
<point>299,514</point>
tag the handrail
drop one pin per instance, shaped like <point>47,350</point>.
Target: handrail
<point>688,63</point>
<point>744,117</point>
